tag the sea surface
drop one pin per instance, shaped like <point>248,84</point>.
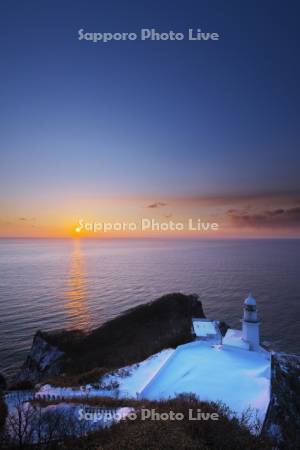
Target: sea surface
<point>55,283</point>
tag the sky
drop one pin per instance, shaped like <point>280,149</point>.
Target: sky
<point>104,131</point>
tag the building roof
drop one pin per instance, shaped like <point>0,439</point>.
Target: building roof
<point>250,301</point>
<point>207,330</point>
<point>204,328</point>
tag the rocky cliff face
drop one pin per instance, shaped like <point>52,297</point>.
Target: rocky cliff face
<point>283,418</point>
<point>2,382</point>
<point>42,361</point>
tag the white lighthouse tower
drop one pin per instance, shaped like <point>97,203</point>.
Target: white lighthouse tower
<point>250,330</point>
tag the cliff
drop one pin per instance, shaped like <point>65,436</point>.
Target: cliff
<point>2,382</point>
<point>283,419</point>
<point>129,338</point>
<point>44,360</point>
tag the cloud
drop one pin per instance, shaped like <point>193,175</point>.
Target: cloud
<point>276,212</point>
<point>285,218</point>
<point>157,205</point>
<point>30,219</point>
<point>250,199</point>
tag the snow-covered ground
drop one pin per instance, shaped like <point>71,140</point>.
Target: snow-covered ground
<point>236,377</point>
<point>139,375</point>
<point>234,338</point>
<point>125,382</point>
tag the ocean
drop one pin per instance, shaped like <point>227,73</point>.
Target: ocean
<point>52,284</point>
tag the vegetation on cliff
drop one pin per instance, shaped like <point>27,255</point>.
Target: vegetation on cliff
<point>3,412</point>
<point>283,418</point>
<point>142,432</point>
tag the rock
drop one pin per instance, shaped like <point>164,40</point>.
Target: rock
<point>43,360</point>
<point>2,382</point>
<point>283,418</point>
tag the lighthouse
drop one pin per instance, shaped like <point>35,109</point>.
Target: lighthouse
<point>250,329</point>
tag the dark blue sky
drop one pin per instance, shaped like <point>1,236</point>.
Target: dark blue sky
<point>165,118</point>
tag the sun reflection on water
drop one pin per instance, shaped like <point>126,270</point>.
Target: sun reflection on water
<point>76,289</point>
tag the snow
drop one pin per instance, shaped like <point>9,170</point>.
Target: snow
<point>237,378</point>
<point>234,339</point>
<point>204,328</point>
<point>130,380</point>
<point>142,373</point>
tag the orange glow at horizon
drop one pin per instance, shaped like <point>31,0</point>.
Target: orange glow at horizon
<point>61,219</point>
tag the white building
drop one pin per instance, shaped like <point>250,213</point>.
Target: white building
<point>250,329</point>
<point>206,330</point>
<point>248,337</point>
